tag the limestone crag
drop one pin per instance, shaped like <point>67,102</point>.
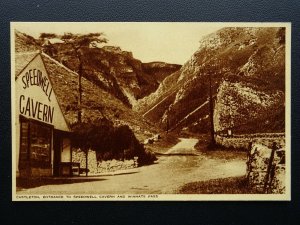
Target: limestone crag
<point>245,70</point>
<point>116,71</point>
<point>237,104</point>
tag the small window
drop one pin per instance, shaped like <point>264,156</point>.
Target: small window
<point>35,143</point>
<point>24,143</point>
<point>40,143</point>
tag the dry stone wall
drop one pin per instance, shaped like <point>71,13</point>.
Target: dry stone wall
<point>80,156</point>
<point>266,171</point>
<point>242,141</point>
<point>97,167</point>
<point>115,165</point>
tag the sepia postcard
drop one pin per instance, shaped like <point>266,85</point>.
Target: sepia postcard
<point>150,111</point>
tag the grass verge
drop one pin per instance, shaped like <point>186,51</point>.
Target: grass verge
<point>164,144</point>
<point>231,185</point>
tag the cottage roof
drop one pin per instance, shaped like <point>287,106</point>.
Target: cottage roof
<point>22,60</point>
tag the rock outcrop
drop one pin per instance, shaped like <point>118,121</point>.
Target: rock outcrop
<point>243,66</point>
<point>109,67</point>
<point>239,105</point>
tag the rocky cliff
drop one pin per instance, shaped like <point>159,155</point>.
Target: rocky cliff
<point>160,70</point>
<point>109,67</point>
<point>242,107</point>
<point>247,71</point>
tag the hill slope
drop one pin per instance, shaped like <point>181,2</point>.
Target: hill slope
<point>97,102</point>
<point>110,68</point>
<point>247,69</point>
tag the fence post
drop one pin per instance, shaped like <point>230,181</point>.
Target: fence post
<point>249,160</point>
<point>269,167</point>
<point>86,162</point>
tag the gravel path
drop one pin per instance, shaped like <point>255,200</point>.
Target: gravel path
<point>165,177</point>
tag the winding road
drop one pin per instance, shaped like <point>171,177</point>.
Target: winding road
<point>185,146</point>
<point>180,165</point>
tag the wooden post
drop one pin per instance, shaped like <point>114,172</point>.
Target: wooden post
<point>86,162</point>
<point>167,124</point>
<point>249,160</point>
<point>167,121</point>
<point>211,112</point>
<point>269,167</point>
<point>79,90</point>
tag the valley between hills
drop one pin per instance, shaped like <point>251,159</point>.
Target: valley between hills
<point>232,86</point>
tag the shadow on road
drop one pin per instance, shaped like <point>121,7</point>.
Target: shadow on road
<point>116,173</point>
<point>176,154</point>
<point>24,183</point>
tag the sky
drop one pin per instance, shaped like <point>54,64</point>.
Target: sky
<point>172,42</point>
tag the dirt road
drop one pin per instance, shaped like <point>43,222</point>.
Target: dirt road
<point>185,146</point>
<point>180,165</point>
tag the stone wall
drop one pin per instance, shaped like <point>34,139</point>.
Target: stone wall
<point>97,167</point>
<point>261,178</point>
<point>80,156</point>
<point>115,165</point>
<point>242,141</point>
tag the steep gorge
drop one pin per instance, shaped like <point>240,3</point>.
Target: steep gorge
<point>247,71</point>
